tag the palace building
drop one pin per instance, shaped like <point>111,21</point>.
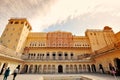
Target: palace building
<point>58,52</point>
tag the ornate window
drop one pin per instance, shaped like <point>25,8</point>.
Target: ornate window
<point>66,56</point>
<point>16,22</point>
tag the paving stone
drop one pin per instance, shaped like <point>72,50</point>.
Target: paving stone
<point>41,76</point>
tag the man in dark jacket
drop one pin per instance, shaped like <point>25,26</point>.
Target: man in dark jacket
<point>6,74</point>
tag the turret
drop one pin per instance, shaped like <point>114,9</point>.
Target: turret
<point>15,34</point>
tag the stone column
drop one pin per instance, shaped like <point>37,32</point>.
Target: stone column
<point>69,58</point>
<point>28,69</point>
<point>50,56</point>
<point>63,56</point>
<point>56,68</point>
<point>56,56</point>
<point>1,65</point>
<point>32,71</point>
<point>41,71</point>
<point>64,68</point>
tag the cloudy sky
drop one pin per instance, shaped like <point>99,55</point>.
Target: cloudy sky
<point>66,15</point>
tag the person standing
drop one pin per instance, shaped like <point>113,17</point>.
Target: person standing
<point>15,73</point>
<point>6,74</point>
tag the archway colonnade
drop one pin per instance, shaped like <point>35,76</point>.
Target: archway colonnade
<point>63,68</point>
<point>71,68</point>
<point>5,65</point>
<point>60,68</point>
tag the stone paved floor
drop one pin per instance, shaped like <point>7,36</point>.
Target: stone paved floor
<point>40,76</point>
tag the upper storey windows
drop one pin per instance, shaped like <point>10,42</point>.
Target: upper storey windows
<point>81,45</point>
<point>11,22</point>
<point>37,44</point>
<point>25,23</point>
<point>22,22</point>
<point>17,22</point>
<point>93,33</point>
<point>59,39</point>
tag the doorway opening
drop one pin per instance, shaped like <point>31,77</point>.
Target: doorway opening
<point>60,69</point>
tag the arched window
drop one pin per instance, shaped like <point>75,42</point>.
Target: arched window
<point>60,55</point>
<point>84,67</point>
<point>72,55</point>
<point>66,56</point>
<point>47,55</point>
<point>67,68</point>
<point>54,55</point>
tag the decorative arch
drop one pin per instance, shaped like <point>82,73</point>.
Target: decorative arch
<point>67,68</point>
<point>44,68</point>
<point>75,68</point>
<point>36,69</point>
<point>25,68</point>
<point>117,63</point>
<point>53,68</point>
<point>5,65</point>
<point>80,68</point>
<point>93,67</point>
<point>84,67</point>
<point>31,69</point>
<point>49,68</point>
<point>101,68</point>
<point>60,69</point>
<point>88,67</point>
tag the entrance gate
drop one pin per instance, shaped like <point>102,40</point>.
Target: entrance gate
<point>60,69</point>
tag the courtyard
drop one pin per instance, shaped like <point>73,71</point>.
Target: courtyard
<point>86,76</point>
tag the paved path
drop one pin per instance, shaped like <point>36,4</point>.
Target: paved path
<point>40,76</point>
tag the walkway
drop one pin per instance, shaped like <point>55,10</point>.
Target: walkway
<point>40,76</point>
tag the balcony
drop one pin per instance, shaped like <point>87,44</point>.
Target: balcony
<point>45,59</point>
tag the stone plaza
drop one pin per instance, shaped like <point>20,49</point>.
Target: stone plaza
<point>82,76</point>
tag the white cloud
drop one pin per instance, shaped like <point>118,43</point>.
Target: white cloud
<point>44,13</point>
<point>64,9</point>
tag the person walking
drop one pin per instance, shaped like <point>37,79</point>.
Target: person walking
<point>15,73</point>
<point>6,74</point>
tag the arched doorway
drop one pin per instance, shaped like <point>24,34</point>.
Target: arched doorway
<point>75,69</point>
<point>88,67</point>
<point>31,69</point>
<point>101,68</point>
<point>3,68</point>
<point>117,64</point>
<point>60,69</point>
<point>67,68</point>
<point>84,68</point>
<point>80,68</point>
<point>25,69</point>
<point>53,68</point>
<point>40,69</point>
<point>45,69</point>
<point>93,68</point>
<point>111,68</point>
<point>36,69</point>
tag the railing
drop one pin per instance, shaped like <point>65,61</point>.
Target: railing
<point>25,57</point>
<point>87,47</point>
<point>31,60</point>
<point>4,51</point>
